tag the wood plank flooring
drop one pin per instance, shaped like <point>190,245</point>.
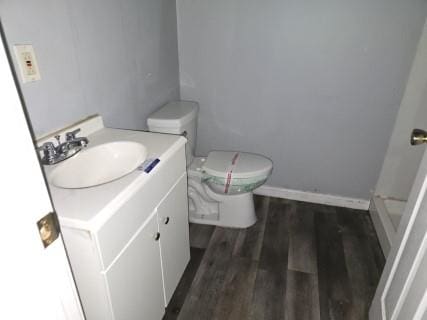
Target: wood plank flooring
<point>299,261</point>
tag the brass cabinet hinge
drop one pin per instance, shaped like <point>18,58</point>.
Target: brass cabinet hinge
<point>48,228</point>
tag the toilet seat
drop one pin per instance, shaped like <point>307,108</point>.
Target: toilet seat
<point>231,172</point>
<point>242,164</point>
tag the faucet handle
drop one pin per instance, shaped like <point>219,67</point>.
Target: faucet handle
<point>72,135</point>
<point>49,152</point>
<point>46,146</point>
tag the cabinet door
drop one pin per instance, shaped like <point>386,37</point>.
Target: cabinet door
<point>135,279</point>
<point>174,242</point>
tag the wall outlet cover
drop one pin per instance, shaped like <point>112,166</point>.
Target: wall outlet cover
<point>27,62</point>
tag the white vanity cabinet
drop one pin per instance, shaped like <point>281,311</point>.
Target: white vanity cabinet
<point>135,279</point>
<point>128,260</point>
<point>172,215</point>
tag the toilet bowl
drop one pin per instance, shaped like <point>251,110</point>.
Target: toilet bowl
<point>220,185</point>
<point>219,196</point>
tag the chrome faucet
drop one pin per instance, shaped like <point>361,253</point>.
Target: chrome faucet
<point>72,145</point>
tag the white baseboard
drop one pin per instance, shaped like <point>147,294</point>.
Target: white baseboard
<point>313,197</point>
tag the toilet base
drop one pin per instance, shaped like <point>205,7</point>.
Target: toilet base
<point>235,211</point>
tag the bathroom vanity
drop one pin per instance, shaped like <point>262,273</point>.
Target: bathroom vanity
<point>127,239</point>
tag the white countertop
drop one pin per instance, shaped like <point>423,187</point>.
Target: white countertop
<point>89,208</point>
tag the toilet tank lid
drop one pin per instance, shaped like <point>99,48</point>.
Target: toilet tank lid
<point>240,165</point>
<point>174,114</point>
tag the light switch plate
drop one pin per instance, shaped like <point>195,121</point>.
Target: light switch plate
<point>27,62</point>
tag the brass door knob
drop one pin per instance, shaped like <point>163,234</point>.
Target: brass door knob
<point>418,136</point>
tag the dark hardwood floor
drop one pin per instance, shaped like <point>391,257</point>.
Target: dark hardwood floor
<point>299,261</point>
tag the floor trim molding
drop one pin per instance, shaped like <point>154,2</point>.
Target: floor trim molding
<point>328,199</point>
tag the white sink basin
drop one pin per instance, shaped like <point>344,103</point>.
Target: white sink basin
<point>98,165</point>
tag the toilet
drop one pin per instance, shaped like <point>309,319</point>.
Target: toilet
<point>220,185</point>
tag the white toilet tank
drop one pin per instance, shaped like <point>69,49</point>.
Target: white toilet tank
<point>177,117</point>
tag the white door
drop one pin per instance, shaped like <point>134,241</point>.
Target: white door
<point>35,282</point>
<point>402,291</point>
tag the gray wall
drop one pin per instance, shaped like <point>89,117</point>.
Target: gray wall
<point>314,85</point>
<point>118,58</point>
